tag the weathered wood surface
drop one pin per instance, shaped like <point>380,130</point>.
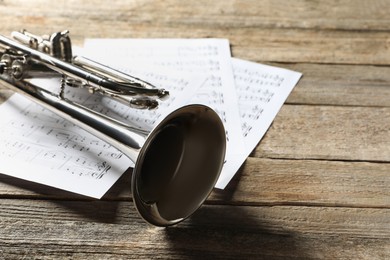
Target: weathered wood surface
<point>329,132</point>
<point>263,182</point>
<point>57,229</point>
<point>307,33</point>
<point>317,185</point>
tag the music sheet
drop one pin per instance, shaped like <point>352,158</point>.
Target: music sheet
<point>246,95</point>
<point>39,146</point>
<point>208,57</point>
<point>261,90</point>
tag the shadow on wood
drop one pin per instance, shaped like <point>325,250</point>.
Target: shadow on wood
<point>216,232</point>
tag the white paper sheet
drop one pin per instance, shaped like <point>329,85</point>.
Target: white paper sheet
<point>38,146</point>
<point>261,90</point>
<point>41,147</point>
<point>250,101</point>
<point>209,57</point>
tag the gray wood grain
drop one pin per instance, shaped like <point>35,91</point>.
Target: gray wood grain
<point>77,229</point>
<point>317,185</point>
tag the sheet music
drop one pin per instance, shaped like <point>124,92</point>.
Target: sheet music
<point>256,96</point>
<point>246,95</point>
<point>209,57</point>
<point>261,91</point>
<point>39,146</point>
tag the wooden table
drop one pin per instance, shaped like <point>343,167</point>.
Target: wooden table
<point>317,185</point>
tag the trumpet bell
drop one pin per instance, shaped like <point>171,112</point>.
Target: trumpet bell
<point>178,165</point>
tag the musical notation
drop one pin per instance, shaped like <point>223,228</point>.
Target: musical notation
<point>63,155</point>
<point>201,57</point>
<point>35,139</point>
<point>261,91</point>
<point>246,95</point>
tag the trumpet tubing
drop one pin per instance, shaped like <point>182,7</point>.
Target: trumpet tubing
<point>177,163</point>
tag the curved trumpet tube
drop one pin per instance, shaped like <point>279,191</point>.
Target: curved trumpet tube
<point>176,164</point>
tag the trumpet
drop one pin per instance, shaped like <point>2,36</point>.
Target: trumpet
<point>177,163</point>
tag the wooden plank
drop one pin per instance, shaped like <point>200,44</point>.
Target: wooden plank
<point>312,46</point>
<point>356,15</point>
<point>328,133</point>
<point>261,44</point>
<point>53,229</point>
<point>345,85</point>
<point>262,182</point>
<point>333,14</point>
<point>305,182</point>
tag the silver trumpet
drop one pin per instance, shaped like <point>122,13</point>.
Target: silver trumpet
<point>177,163</point>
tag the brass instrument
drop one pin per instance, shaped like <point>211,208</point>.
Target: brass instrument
<point>177,163</point>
